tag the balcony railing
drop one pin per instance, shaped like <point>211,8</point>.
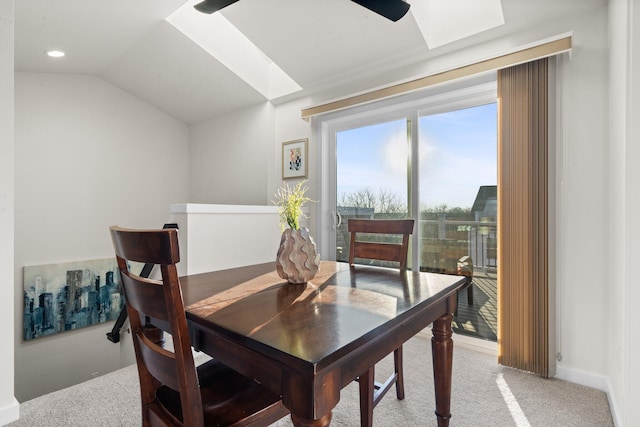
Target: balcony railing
<point>443,242</point>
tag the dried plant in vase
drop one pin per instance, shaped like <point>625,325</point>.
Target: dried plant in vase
<point>297,260</point>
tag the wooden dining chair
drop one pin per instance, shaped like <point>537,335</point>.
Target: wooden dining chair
<point>366,243</point>
<point>174,392</point>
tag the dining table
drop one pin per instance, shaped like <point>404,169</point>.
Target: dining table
<point>308,341</point>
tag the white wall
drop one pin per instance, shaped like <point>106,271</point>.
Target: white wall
<point>230,157</point>
<point>624,201</point>
<point>290,126</point>
<point>87,156</point>
<point>213,237</point>
<point>630,352</point>
<point>237,158</point>
<point>624,344</point>
<point>8,405</point>
<point>582,203</point>
<point>618,45</point>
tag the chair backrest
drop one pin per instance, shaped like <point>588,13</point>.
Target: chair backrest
<point>161,300</point>
<point>378,250</point>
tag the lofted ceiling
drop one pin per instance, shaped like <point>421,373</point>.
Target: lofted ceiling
<point>319,44</point>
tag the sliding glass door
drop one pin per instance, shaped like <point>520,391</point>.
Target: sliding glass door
<point>431,159</point>
<point>458,208</point>
<point>371,179</point>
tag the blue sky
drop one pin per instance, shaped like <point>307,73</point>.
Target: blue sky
<point>457,155</point>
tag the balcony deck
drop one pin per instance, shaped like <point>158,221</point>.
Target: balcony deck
<point>479,320</point>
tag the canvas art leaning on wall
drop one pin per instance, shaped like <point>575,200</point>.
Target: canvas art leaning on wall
<point>63,297</point>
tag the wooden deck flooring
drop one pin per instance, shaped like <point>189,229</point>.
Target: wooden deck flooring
<point>479,320</point>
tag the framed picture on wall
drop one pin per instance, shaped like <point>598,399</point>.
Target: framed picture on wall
<point>294,159</point>
<point>70,295</point>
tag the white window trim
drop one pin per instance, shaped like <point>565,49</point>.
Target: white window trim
<point>454,96</point>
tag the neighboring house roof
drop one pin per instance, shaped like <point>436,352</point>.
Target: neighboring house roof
<point>485,193</point>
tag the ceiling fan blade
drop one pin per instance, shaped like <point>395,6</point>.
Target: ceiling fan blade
<point>211,6</point>
<point>390,9</point>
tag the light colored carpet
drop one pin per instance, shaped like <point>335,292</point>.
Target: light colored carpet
<point>483,394</point>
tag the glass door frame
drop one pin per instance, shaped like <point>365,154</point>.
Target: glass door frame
<point>412,106</point>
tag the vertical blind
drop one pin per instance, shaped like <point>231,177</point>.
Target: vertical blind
<point>523,297</point>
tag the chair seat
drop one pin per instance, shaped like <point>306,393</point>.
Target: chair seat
<point>237,398</point>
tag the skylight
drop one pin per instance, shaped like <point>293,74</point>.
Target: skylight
<point>217,36</point>
<point>443,22</point>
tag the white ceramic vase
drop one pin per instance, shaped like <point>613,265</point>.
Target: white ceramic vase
<point>298,259</point>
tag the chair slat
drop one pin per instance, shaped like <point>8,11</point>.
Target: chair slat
<point>379,251</point>
<point>159,362</point>
<point>148,246</point>
<point>148,296</point>
<point>381,226</point>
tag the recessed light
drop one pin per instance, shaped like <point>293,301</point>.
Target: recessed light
<point>55,53</point>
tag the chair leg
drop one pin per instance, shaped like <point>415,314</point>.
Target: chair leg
<point>366,383</point>
<point>470,293</point>
<point>397,360</point>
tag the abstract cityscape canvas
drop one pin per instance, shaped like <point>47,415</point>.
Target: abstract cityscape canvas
<point>74,295</point>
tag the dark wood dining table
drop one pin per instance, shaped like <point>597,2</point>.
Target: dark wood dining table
<point>307,342</point>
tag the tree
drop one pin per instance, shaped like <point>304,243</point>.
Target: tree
<point>383,202</point>
<point>386,202</point>
<point>443,209</point>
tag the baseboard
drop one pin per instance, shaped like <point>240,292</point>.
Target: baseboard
<point>583,378</point>
<point>476,344</point>
<point>599,382</point>
<point>10,413</point>
<point>613,405</point>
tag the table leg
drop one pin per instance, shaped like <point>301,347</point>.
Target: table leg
<point>442,351</point>
<point>322,422</point>
<point>366,385</point>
